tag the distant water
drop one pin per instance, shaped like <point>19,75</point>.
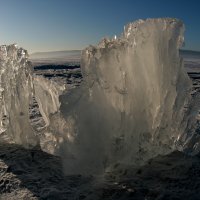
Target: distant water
<point>76,54</point>
<point>190,55</point>
<point>72,54</point>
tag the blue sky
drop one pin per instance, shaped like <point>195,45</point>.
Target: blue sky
<point>48,25</point>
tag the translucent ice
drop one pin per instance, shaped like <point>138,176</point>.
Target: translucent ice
<point>16,90</point>
<point>131,106</point>
<point>47,94</point>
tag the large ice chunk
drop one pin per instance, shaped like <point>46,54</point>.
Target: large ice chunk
<point>132,103</point>
<point>16,90</point>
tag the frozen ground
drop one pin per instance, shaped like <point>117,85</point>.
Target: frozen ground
<point>33,174</point>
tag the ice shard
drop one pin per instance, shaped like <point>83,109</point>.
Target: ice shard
<point>16,90</point>
<point>47,94</point>
<point>132,104</point>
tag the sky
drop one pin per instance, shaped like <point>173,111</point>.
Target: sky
<point>51,25</point>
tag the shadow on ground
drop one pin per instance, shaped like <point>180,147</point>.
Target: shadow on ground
<point>33,174</point>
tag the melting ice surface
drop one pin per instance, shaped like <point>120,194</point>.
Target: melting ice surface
<point>134,103</point>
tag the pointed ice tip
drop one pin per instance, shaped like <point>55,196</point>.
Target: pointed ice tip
<point>13,52</point>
